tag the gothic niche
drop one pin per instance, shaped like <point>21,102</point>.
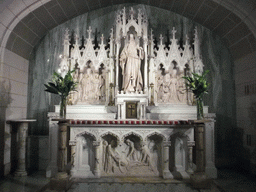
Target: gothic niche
<point>132,157</point>
<point>178,164</point>
<point>86,160</point>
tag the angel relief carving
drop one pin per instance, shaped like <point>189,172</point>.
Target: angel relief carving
<point>90,88</point>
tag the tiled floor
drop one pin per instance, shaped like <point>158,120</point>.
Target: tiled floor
<point>228,181</point>
<point>32,183</point>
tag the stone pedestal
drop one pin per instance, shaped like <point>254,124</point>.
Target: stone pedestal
<point>61,181</point>
<point>62,145</point>
<point>199,178</point>
<point>21,127</point>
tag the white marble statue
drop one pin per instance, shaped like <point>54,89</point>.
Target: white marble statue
<point>173,87</point>
<point>130,62</point>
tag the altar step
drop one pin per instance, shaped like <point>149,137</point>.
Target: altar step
<point>84,108</point>
<point>89,112</point>
<point>171,116</point>
<point>174,109</point>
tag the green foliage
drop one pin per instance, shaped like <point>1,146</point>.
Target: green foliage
<point>61,86</point>
<point>197,84</point>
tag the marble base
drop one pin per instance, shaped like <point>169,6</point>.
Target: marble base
<point>200,181</point>
<point>20,173</point>
<point>180,175</point>
<point>60,184</point>
<point>211,172</point>
<point>167,175</point>
<point>83,174</point>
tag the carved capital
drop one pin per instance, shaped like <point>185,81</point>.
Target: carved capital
<point>96,143</point>
<point>72,143</point>
<point>167,143</point>
<point>191,143</point>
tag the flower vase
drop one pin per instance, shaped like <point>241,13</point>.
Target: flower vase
<point>200,108</point>
<point>63,104</point>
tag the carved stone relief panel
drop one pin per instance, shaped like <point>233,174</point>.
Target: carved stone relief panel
<point>91,87</point>
<point>131,157</point>
<point>171,87</point>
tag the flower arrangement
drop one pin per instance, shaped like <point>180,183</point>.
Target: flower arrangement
<point>199,86</point>
<point>62,86</point>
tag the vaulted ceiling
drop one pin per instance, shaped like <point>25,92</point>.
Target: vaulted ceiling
<point>25,22</point>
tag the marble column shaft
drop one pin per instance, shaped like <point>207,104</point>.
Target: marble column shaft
<point>21,127</point>
<point>190,145</point>
<point>166,171</point>
<point>22,137</point>
<point>73,153</point>
<point>117,65</point>
<point>63,126</point>
<point>97,173</point>
<point>146,66</point>
<point>200,158</point>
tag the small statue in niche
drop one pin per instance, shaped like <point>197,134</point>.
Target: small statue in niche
<point>96,87</point>
<point>159,87</point>
<point>166,88</point>
<point>104,147</point>
<point>173,87</point>
<point>181,91</point>
<point>102,87</point>
<point>130,62</point>
<point>88,85</point>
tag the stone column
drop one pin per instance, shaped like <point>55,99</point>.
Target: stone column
<point>73,153</point>
<point>21,126</point>
<point>190,145</point>
<point>146,66</point>
<point>61,179</point>
<point>118,111</point>
<point>117,65</point>
<point>210,168</point>
<point>97,173</point>
<point>199,178</point>
<point>63,126</point>
<point>166,159</point>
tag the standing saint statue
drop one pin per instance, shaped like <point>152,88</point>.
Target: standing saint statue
<point>130,62</point>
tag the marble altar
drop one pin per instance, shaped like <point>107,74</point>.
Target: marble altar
<point>129,116</point>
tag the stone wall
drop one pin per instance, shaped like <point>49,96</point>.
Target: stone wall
<point>245,81</point>
<point>13,101</point>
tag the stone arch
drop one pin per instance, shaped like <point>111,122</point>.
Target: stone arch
<point>156,133</point>
<point>131,133</point>
<point>16,14</point>
<point>85,152</point>
<point>86,133</point>
<point>174,64</point>
<point>110,133</point>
